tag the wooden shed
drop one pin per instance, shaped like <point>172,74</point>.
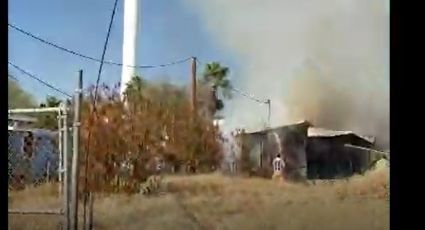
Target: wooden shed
<point>309,152</point>
<point>261,147</point>
<point>329,155</point>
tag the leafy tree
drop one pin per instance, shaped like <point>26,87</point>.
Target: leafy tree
<point>49,120</point>
<point>154,124</point>
<point>134,88</point>
<point>216,76</point>
<point>17,97</point>
<point>51,101</point>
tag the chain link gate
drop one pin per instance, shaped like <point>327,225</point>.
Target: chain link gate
<point>38,166</point>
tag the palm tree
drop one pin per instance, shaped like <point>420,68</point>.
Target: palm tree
<point>216,75</point>
<point>134,90</point>
<point>135,86</point>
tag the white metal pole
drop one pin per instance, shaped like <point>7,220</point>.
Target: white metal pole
<point>131,17</point>
<point>60,140</point>
<point>35,110</point>
<point>75,154</point>
<point>65,164</point>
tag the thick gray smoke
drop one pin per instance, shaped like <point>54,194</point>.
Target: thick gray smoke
<point>325,61</point>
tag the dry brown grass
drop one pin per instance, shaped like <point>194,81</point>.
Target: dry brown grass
<point>44,197</point>
<point>216,202</point>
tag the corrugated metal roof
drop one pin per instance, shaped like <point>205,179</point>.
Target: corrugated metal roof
<point>316,132</point>
<point>321,132</point>
<point>277,127</point>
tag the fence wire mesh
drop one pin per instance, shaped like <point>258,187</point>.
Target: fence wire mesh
<point>36,186</point>
<point>33,158</point>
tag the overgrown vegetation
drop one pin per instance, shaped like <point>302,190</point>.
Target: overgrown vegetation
<point>213,201</point>
<point>48,120</point>
<point>157,122</point>
<point>18,97</point>
<point>125,141</point>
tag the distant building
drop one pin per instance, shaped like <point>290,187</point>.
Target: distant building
<point>20,121</point>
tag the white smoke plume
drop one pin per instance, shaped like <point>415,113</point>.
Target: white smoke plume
<point>326,61</point>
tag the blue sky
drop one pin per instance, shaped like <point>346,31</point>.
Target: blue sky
<point>169,31</point>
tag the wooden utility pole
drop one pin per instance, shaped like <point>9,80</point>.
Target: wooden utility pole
<point>194,99</point>
<point>268,102</point>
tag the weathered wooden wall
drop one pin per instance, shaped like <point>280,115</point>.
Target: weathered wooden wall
<point>328,158</point>
<point>262,147</point>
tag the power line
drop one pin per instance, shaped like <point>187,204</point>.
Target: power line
<point>38,79</point>
<point>252,97</point>
<point>92,58</point>
<point>86,166</point>
<point>14,78</point>
<point>105,46</point>
<point>249,96</point>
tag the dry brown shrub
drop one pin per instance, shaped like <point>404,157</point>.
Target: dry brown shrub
<point>374,183</point>
<point>157,122</point>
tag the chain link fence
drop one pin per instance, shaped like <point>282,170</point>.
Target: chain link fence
<point>37,179</point>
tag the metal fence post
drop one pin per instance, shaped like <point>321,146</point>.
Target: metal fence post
<point>60,151</point>
<point>65,164</point>
<point>20,165</point>
<point>75,154</point>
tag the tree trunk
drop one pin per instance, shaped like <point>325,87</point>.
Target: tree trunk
<point>213,100</point>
